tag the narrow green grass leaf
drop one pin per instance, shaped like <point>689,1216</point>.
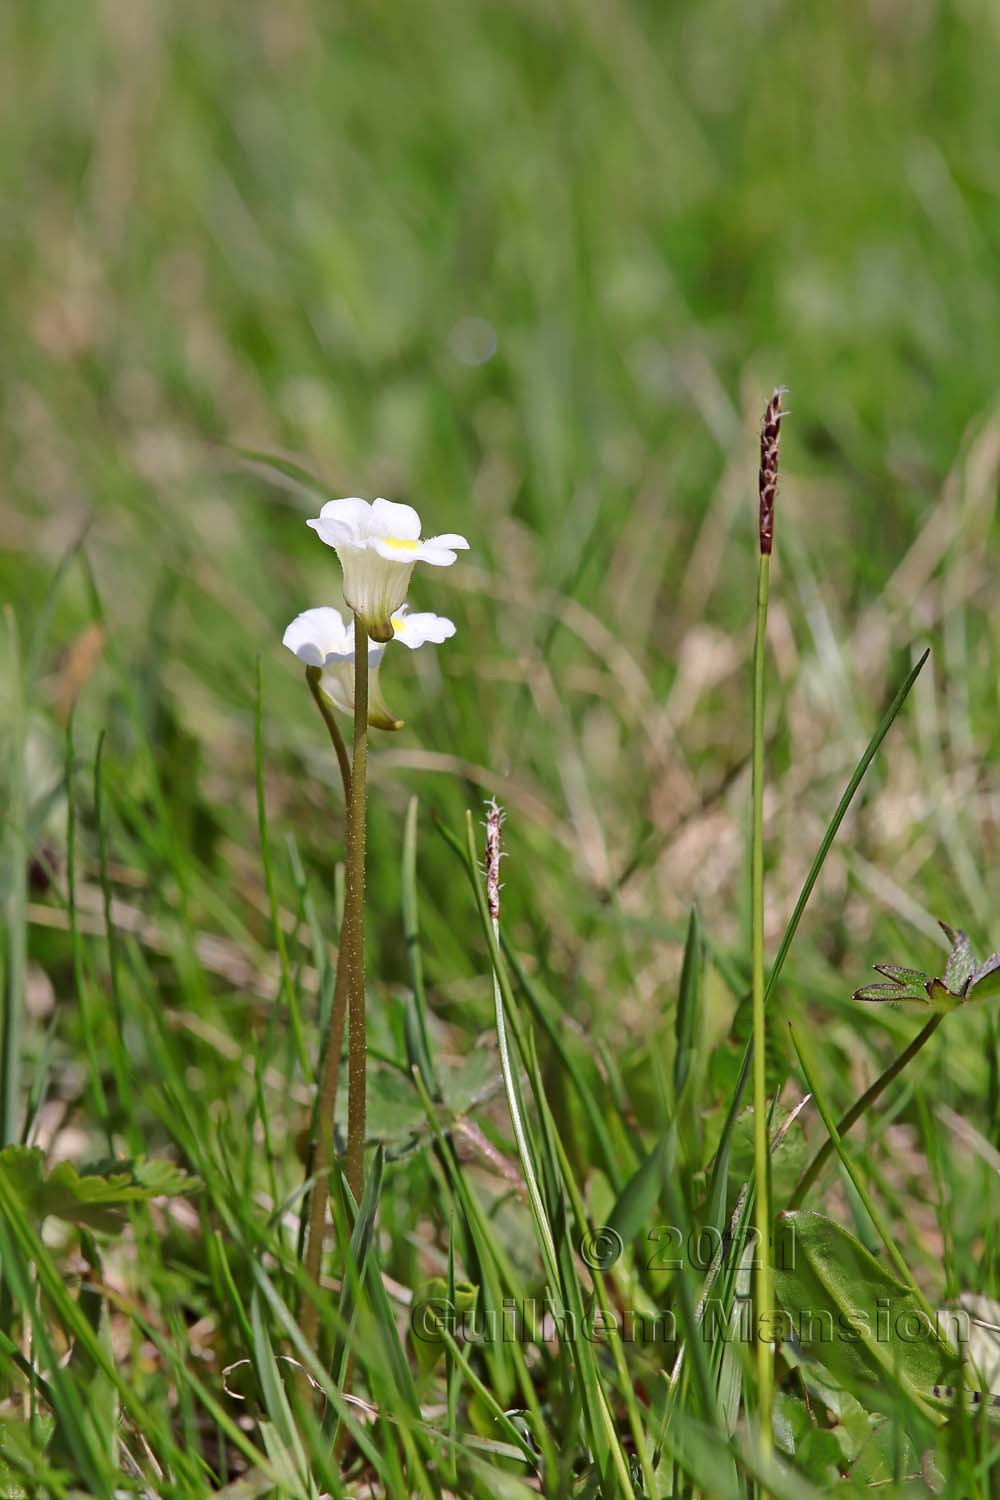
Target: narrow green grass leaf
<point>418,1041</point>
<point>615,1161</point>
<point>289,1458</point>
<point>356,1259</point>
<point>497,1278</point>
<point>503,1006</point>
<point>688,1002</point>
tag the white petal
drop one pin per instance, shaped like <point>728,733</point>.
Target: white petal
<point>417,630</point>
<point>449,539</point>
<point>391,520</point>
<point>343,522</point>
<point>438,557</point>
<point>318,636</point>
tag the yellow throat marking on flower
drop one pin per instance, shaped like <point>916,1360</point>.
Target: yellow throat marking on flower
<point>403,543</point>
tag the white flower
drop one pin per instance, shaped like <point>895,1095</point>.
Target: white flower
<point>321,638</point>
<point>378,545</point>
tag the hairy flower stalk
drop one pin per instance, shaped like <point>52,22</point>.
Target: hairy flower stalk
<point>314,680</point>
<point>770,434</point>
<point>354,926</point>
<point>321,1144</point>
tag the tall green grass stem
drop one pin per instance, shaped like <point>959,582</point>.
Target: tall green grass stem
<point>765,1371</point>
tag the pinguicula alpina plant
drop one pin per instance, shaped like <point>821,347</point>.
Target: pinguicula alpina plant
<point>378,545</point>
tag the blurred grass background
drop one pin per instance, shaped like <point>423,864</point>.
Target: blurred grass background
<point>535,269</point>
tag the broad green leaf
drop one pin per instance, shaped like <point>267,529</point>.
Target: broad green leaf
<point>847,1311</point>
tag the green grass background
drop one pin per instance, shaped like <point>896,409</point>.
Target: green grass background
<point>298,229</point>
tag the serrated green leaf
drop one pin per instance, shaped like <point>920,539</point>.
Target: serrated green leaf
<point>95,1197</point>
<point>850,1314</point>
<point>161,1178</point>
<point>24,1169</point>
